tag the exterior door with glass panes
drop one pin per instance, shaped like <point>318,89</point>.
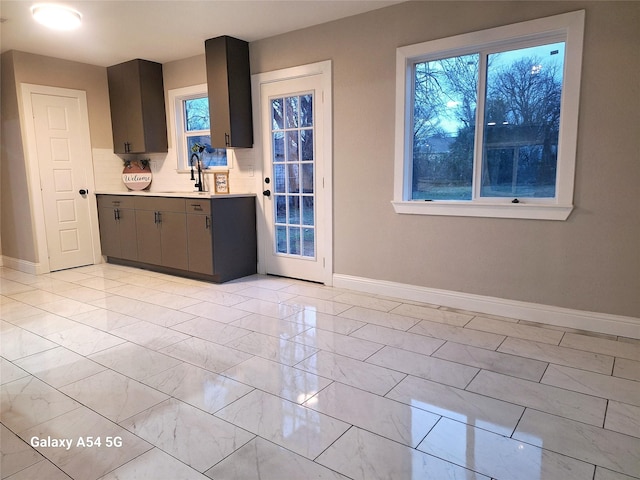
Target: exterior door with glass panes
<point>292,120</point>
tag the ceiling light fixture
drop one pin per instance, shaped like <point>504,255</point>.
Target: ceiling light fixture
<point>56,16</point>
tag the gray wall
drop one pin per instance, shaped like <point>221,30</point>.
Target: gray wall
<point>17,227</point>
<point>590,262</point>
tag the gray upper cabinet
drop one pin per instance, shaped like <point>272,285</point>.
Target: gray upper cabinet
<point>136,96</point>
<point>162,231</point>
<point>229,87</point>
<point>199,239</point>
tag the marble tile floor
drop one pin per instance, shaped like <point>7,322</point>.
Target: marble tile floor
<point>109,372</point>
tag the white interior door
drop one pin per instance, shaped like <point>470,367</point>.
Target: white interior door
<point>296,166</point>
<point>62,160</point>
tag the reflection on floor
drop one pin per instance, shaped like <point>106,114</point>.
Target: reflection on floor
<point>117,373</point>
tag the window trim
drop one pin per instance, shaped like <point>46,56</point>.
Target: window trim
<point>177,121</point>
<point>568,25</point>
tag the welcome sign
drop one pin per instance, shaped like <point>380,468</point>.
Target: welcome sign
<point>137,177</point>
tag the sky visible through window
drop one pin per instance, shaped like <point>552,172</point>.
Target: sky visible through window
<point>520,124</point>
<point>450,122</point>
<point>197,127</point>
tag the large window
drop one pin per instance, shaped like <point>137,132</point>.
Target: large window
<point>487,122</point>
<point>192,127</point>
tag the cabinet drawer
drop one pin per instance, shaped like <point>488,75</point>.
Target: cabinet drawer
<point>115,201</point>
<point>160,204</point>
<point>197,205</point>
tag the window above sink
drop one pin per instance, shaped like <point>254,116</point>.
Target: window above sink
<point>190,126</point>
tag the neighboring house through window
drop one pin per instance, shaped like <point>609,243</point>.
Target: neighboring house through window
<point>192,129</point>
<point>486,122</point>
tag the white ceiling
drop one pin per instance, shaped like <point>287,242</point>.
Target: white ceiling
<point>115,31</point>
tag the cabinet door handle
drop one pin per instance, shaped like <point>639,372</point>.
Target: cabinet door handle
<point>227,139</point>
<point>207,223</point>
<point>116,214</point>
<point>158,217</point>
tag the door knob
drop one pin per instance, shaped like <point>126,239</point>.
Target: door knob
<point>267,193</point>
<point>82,191</point>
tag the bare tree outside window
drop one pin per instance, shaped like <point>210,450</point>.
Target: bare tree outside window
<point>520,123</point>
<point>197,130</point>
<point>445,97</point>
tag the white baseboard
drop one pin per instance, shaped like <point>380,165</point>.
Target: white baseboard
<point>23,265</point>
<point>533,312</point>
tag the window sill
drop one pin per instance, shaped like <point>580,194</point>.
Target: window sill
<point>529,211</point>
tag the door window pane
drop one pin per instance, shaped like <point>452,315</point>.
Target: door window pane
<point>292,146</point>
<point>292,112</point>
<point>294,240</point>
<point>281,208</point>
<point>307,211</point>
<point>308,242</point>
<point>293,175</point>
<point>294,209</point>
<point>281,239</point>
<point>307,178</point>
<point>278,147</point>
<point>306,110</point>
<point>277,113</point>
<point>279,179</point>
<point>293,178</point>
<point>306,145</point>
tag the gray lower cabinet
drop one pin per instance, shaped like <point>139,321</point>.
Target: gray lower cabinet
<point>161,229</point>
<point>207,238</point>
<point>117,226</point>
<point>199,237</point>
<point>234,237</point>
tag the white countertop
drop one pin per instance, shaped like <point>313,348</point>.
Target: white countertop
<point>143,193</point>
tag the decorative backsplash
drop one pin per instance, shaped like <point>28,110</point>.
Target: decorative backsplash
<point>107,169</point>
